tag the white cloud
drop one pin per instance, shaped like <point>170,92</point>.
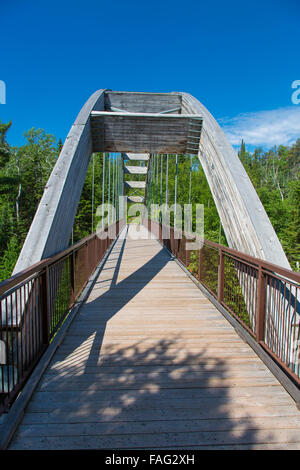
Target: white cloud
<point>264,128</point>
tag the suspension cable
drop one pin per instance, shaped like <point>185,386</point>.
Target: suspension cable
<point>190,188</point>
<point>175,196</point>
<point>113,185</point>
<point>103,189</point>
<point>167,187</point>
<point>117,186</point>
<point>109,158</point>
<point>157,178</point>
<point>93,191</point>
<point>153,179</point>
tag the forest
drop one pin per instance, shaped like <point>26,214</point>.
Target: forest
<point>24,171</point>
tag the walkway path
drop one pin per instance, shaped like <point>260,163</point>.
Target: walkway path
<point>149,362</point>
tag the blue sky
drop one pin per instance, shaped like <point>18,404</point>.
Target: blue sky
<point>238,58</point>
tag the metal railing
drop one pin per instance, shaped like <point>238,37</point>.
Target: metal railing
<point>263,297</point>
<point>35,302</point>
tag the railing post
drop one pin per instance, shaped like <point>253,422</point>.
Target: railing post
<point>200,263</point>
<point>172,240</point>
<point>176,245</point>
<point>260,309</point>
<point>45,306</point>
<point>221,276</point>
<point>72,276</point>
<point>86,261</point>
<point>187,254</point>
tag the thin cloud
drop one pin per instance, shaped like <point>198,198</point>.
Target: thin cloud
<point>264,128</point>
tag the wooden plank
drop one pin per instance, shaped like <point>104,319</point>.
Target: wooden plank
<point>219,410</point>
<point>191,396</point>
<point>135,199</point>
<point>141,102</point>
<point>151,427</point>
<point>159,440</point>
<point>135,170</point>
<point>137,156</point>
<point>136,184</point>
<point>142,132</point>
<point>47,401</point>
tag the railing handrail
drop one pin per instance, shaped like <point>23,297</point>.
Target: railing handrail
<point>258,262</point>
<point>38,267</point>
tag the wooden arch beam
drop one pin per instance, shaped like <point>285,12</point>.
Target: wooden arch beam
<point>51,228</point>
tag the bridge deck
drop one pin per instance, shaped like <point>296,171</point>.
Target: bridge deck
<point>149,362</point>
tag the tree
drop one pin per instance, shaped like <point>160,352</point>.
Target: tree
<point>9,258</point>
<point>24,172</point>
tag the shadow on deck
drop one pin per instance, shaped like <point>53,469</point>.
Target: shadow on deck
<point>141,371</point>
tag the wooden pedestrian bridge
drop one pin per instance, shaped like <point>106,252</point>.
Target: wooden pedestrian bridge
<point>146,335</point>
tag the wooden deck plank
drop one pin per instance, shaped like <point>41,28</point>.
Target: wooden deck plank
<point>150,427</point>
<point>149,362</point>
<point>159,440</point>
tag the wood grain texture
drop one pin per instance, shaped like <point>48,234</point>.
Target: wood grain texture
<point>51,228</point>
<point>136,184</point>
<point>144,132</point>
<point>149,362</point>
<point>139,102</point>
<point>137,156</point>
<point>135,170</point>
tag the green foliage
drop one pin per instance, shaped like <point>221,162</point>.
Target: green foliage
<point>275,176</point>
<point>24,172</point>
<point>9,258</point>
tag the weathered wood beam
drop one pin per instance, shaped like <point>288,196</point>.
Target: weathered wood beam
<point>141,102</point>
<point>136,199</point>
<point>51,228</point>
<point>135,170</point>
<point>137,156</point>
<point>136,184</point>
<point>145,132</point>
